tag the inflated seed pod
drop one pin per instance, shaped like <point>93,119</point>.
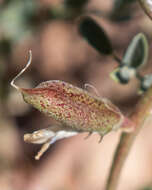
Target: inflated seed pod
<point>75,108</point>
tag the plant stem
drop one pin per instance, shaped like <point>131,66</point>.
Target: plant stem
<point>116,58</point>
<point>147,7</point>
<point>142,110</point>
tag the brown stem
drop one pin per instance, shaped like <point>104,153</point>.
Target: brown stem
<point>142,110</point>
<point>116,58</point>
<point>147,6</point>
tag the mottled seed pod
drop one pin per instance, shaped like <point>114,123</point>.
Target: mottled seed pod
<point>75,108</point>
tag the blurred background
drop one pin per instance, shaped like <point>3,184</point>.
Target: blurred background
<point>50,29</point>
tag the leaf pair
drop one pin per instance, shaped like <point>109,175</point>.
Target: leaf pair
<point>135,57</point>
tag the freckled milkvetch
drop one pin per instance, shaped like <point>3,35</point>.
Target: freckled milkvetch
<point>76,109</point>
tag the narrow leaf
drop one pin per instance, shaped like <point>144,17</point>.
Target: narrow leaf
<point>95,35</point>
<point>137,52</point>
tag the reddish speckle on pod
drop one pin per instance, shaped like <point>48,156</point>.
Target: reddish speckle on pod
<point>73,107</point>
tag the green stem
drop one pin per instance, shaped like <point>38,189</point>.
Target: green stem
<point>116,58</point>
<point>142,110</point>
<point>147,7</point>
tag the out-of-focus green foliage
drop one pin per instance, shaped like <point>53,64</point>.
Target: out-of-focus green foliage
<point>14,18</point>
<point>75,5</point>
<point>119,4</point>
<point>122,10</point>
<point>68,9</point>
<point>147,188</point>
<point>95,35</point>
<point>145,83</point>
<point>5,46</point>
